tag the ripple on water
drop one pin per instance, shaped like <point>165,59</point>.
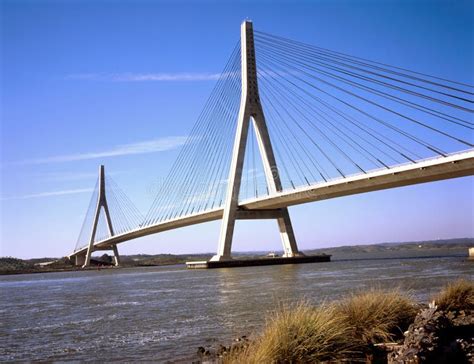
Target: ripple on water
<point>164,313</point>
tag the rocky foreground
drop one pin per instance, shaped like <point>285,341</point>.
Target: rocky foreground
<point>437,336</point>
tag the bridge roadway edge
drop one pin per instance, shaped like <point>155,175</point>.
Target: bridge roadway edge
<point>435,169</point>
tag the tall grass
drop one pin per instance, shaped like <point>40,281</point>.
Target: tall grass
<point>456,296</point>
<point>296,334</point>
<point>377,316</point>
<point>332,332</point>
<point>346,330</point>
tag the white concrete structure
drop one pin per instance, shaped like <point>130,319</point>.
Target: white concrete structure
<point>85,259</point>
<point>251,110</point>
<point>430,170</point>
<point>275,204</point>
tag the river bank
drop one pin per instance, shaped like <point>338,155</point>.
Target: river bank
<point>10,265</point>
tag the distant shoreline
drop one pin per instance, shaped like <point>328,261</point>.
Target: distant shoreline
<point>449,248</point>
<point>403,258</point>
<point>80,269</point>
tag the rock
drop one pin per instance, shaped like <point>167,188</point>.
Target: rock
<point>221,350</point>
<point>201,350</point>
<point>436,337</point>
<point>214,353</point>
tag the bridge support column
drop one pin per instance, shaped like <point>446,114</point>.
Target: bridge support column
<point>101,203</point>
<point>116,255</point>
<point>79,260</point>
<point>251,109</point>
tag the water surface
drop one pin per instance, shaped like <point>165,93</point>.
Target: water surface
<point>165,313</point>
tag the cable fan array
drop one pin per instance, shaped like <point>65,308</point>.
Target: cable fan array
<point>329,115</point>
<point>198,179</point>
<point>123,214</point>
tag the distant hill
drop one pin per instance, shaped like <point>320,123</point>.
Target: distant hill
<point>14,264</point>
<point>140,260</point>
<point>445,247</point>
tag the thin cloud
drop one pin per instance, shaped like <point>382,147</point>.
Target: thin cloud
<point>149,146</point>
<point>48,194</point>
<point>142,77</point>
<point>71,176</point>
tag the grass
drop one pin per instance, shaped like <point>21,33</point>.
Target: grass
<point>331,332</point>
<point>377,316</point>
<point>456,296</point>
<point>346,330</point>
<point>300,333</point>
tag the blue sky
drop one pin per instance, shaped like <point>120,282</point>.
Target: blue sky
<point>122,82</point>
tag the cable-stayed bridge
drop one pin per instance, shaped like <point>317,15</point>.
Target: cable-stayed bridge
<point>289,123</point>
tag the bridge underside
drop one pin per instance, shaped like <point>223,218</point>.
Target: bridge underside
<point>303,115</point>
<point>436,169</point>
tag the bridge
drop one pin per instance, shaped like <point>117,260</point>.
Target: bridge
<point>325,125</point>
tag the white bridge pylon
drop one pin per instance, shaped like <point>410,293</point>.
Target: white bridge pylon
<point>101,205</point>
<point>251,110</point>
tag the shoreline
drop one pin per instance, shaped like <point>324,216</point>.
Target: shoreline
<point>80,269</point>
<point>99,268</point>
<point>449,248</point>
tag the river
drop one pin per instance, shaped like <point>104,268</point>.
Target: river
<point>164,313</point>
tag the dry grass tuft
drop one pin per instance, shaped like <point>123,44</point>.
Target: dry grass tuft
<point>342,330</point>
<point>456,296</point>
<point>377,316</point>
<point>297,334</point>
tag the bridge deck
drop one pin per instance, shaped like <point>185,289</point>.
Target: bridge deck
<point>435,169</point>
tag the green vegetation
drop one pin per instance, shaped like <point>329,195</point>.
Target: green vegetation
<point>13,264</point>
<point>9,265</point>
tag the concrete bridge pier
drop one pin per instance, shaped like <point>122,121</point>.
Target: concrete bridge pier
<point>116,255</point>
<point>79,259</point>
